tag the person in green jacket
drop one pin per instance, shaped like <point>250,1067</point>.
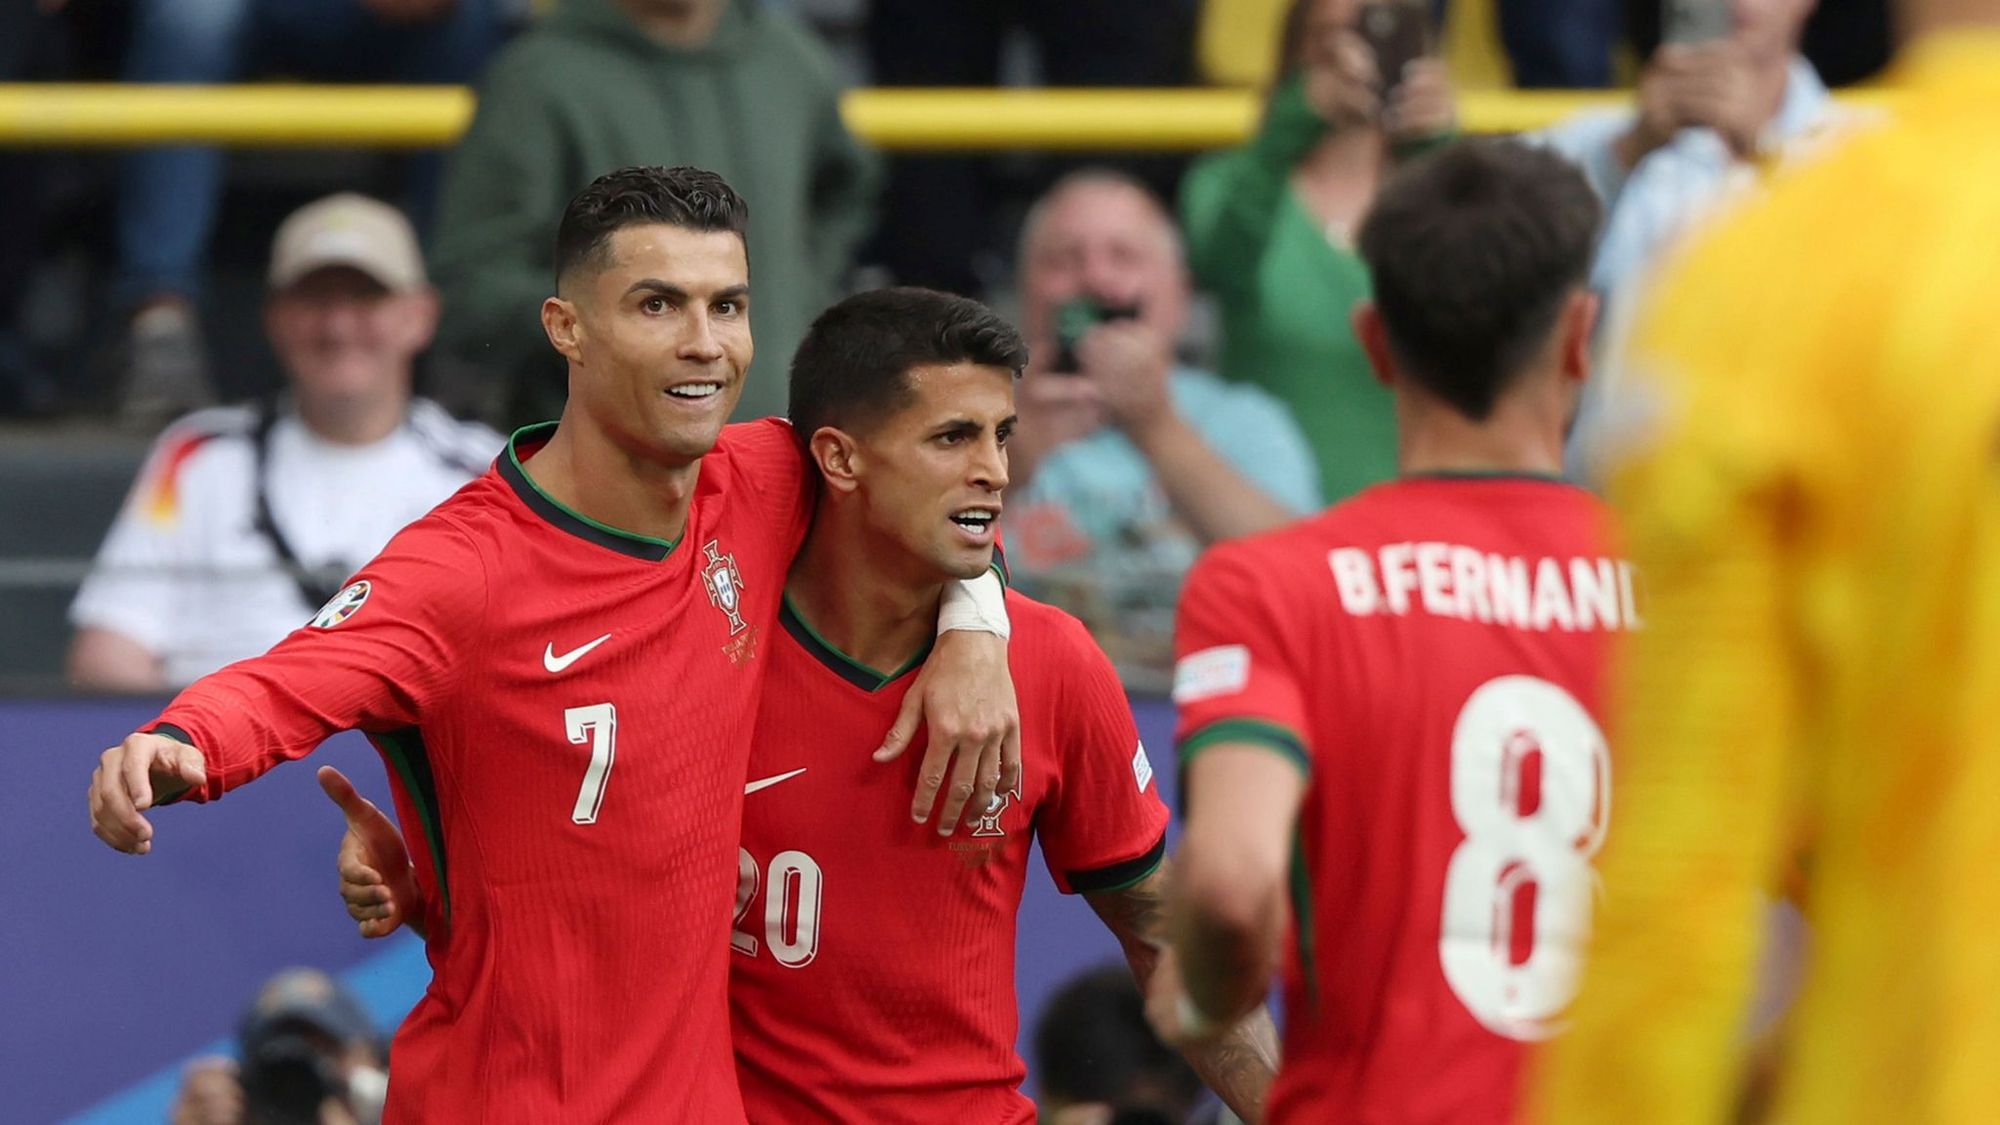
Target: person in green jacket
<point>733,86</point>
<point>1270,230</point>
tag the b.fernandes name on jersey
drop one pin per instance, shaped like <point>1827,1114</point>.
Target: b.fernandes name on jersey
<point>1449,580</point>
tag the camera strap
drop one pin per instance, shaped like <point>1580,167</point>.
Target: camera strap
<point>317,585</point>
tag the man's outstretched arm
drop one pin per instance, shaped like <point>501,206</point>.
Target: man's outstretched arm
<point>373,659</point>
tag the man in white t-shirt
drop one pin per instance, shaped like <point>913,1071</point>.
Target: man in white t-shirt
<point>246,518</point>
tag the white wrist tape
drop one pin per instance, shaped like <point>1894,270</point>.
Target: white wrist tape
<point>978,605</point>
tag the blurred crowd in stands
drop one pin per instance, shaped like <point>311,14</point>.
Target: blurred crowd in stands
<point>309,387</point>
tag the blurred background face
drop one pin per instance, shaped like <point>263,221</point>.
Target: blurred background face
<point>929,471</point>
<point>1108,242</point>
<point>341,334</point>
<point>663,339</point>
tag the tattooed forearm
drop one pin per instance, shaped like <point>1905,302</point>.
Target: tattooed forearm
<point>1239,1065</point>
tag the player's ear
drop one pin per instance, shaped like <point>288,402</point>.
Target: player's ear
<point>1374,338</point>
<point>1575,327</point>
<point>565,330</point>
<point>836,453</point>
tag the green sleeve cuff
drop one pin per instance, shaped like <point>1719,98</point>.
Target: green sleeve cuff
<point>1290,128</point>
<point>1119,876</point>
<point>1250,732</point>
<point>1423,146</point>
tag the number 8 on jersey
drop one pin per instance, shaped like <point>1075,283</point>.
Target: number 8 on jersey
<point>1531,788</point>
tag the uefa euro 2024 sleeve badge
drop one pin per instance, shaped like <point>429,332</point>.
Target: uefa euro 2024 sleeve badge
<point>342,606</point>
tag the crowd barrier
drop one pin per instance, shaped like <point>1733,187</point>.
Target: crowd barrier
<point>271,115</point>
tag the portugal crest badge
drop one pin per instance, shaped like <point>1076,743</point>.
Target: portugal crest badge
<point>724,584</point>
<point>987,824</point>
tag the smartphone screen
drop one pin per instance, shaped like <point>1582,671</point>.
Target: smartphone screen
<point>1398,32</point>
<point>1696,21</point>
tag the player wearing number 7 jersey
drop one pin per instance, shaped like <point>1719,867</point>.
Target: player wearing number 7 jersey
<point>1397,699</point>
<point>873,975</point>
<point>561,664</point>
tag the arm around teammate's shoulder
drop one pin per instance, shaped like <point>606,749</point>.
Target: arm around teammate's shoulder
<point>379,656</point>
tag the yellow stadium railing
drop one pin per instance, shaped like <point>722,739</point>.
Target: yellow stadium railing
<point>986,120</point>
<point>281,116</point>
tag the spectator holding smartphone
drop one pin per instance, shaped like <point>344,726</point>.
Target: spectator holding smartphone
<point>1270,225</point>
<point>1126,463</point>
<point>1726,93</point>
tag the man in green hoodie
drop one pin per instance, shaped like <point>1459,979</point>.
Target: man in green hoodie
<point>730,85</point>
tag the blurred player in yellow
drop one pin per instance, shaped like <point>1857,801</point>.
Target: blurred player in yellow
<point>1815,506</point>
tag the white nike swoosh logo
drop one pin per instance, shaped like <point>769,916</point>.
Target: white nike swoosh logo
<point>750,787</point>
<point>561,663</point>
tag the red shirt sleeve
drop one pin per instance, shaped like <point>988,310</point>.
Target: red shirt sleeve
<point>374,659</point>
<point>1237,674</point>
<point>1104,826</point>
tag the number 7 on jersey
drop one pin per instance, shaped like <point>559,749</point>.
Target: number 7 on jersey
<point>596,724</point>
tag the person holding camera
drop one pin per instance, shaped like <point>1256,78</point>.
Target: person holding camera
<point>1727,93</point>
<point>1126,463</point>
<point>1270,226</point>
<point>308,1056</point>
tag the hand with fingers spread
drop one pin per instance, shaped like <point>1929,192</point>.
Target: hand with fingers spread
<point>1340,79</point>
<point>1716,88</point>
<point>1687,87</point>
<point>1131,364</point>
<point>1422,106</point>
<point>133,776</point>
<point>964,698</point>
<point>376,881</point>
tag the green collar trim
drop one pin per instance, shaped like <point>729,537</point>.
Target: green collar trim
<point>564,516</point>
<point>843,665</point>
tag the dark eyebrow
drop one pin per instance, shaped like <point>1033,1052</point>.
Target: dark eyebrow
<point>678,295</point>
<point>655,285</point>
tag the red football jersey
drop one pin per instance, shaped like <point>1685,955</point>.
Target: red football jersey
<point>1431,652</point>
<point>566,712</point>
<point>874,960</point>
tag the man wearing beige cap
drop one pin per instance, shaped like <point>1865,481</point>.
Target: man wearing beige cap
<point>246,518</point>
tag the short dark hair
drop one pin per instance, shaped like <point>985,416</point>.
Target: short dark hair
<point>852,368</point>
<point>1092,1044</point>
<point>1473,250</point>
<point>693,198</point>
